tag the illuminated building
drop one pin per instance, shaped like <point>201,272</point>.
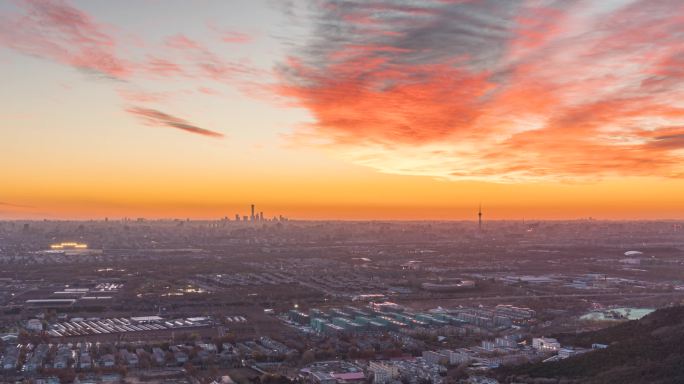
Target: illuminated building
<point>545,344</point>
<point>69,245</point>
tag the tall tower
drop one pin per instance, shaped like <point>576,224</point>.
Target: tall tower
<point>252,217</point>
<point>479,218</point>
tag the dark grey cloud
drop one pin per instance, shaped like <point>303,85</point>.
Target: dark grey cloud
<point>155,117</point>
<point>669,141</point>
<point>424,31</point>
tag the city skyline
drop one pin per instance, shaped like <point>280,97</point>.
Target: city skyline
<point>342,191</point>
<point>342,109</point>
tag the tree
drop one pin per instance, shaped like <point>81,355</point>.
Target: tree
<point>458,372</point>
<point>308,357</point>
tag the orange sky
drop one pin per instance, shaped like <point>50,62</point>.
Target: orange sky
<point>363,194</point>
<point>395,110</point>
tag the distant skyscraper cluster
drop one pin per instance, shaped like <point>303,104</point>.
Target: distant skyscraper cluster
<point>255,216</point>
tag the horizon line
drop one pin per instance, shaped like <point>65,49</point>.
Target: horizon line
<point>196,219</point>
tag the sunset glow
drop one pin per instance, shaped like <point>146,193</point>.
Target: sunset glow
<point>342,109</point>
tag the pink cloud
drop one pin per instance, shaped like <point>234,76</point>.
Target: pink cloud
<point>200,61</point>
<point>208,91</point>
<point>183,42</point>
<point>57,31</point>
<point>470,90</point>
<point>141,96</point>
<point>163,67</point>
<point>229,35</point>
<point>235,37</point>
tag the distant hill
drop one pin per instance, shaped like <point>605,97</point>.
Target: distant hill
<point>650,350</point>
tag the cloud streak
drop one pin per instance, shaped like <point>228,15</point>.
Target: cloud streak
<point>12,205</point>
<point>495,90</point>
<point>157,118</point>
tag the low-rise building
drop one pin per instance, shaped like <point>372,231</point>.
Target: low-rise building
<point>434,357</point>
<point>545,344</point>
<point>85,361</point>
<point>460,356</point>
<point>107,360</point>
<point>383,373</point>
<point>158,356</point>
<point>130,359</point>
<point>34,325</point>
<point>181,357</point>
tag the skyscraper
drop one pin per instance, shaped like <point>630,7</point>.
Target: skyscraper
<point>479,218</point>
<point>252,216</point>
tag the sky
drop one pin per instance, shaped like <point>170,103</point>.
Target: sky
<point>347,109</point>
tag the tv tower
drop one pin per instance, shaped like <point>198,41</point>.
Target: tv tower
<point>479,218</point>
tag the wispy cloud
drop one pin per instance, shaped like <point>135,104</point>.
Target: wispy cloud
<point>495,90</point>
<point>161,119</point>
<point>12,205</point>
<point>57,31</point>
<point>202,62</point>
<point>229,35</point>
<point>163,68</point>
<point>141,96</point>
<point>235,37</point>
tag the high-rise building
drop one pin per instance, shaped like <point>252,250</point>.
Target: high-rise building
<point>479,218</point>
<point>252,216</point>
